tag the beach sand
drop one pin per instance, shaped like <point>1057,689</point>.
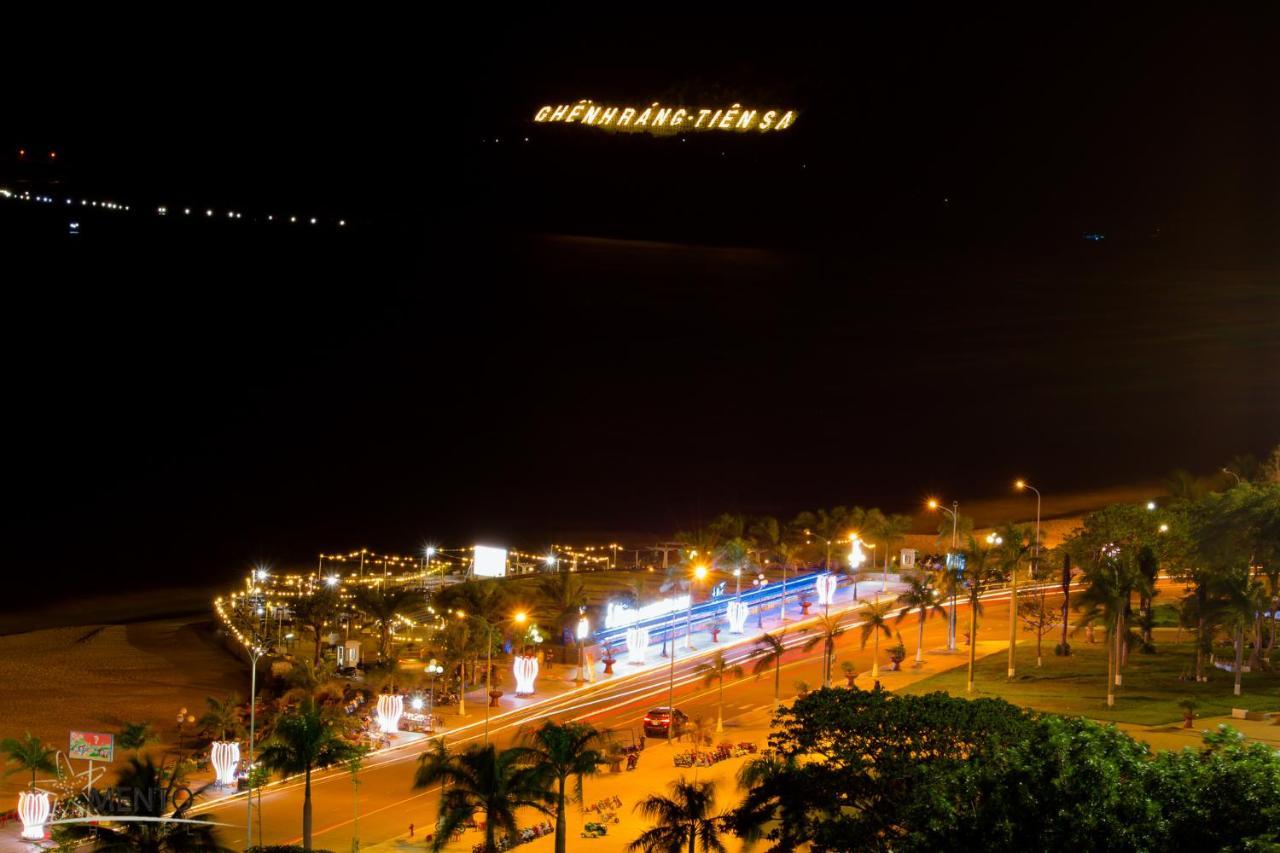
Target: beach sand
<point>97,677</point>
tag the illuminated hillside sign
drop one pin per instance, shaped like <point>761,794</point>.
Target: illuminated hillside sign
<point>657,118</point>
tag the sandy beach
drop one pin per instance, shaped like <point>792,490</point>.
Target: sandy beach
<point>97,677</point>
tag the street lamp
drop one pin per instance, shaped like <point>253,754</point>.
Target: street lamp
<point>699,574</point>
<point>519,618</point>
<point>760,583</point>
<point>432,670</point>
<point>1023,485</point>
<point>954,512</point>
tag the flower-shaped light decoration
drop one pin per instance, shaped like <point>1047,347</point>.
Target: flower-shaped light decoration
<point>526,672</point>
<point>225,757</point>
<point>826,586</point>
<point>737,616</point>
<point>637,645</point>
<point>390,709</point>
<point>33,810</point>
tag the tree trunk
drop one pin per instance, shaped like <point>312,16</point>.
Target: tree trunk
<point>561,830</point>
<point>720,707</point>
<point>973,635</point>
<point>1066,600</point>
<point>1120,645</point>
<point>1111,681</point>
<point>1239,657</point>
<point>306,812</point>
<point>1013,622</point>
<point>1255,656</point>
<point>920,639</point>
<point>777,679</point>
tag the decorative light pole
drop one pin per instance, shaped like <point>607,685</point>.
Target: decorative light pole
<point>519,619</point>
<point>433,669</point>
<point>255,652</point>
<point>760,583</point>
<point>1022,485</point>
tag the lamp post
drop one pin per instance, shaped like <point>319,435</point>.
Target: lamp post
<point>255,652</point>
<point>760,583</point>
<point>737,582</point>
<point>954,512</point>
<point>519,619</point>
<point>433,669</point>
<point>826,566</point>
<point>1023,485</point>
<point>699,573</point>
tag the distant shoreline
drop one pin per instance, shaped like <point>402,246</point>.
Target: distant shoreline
<point>122,608</point>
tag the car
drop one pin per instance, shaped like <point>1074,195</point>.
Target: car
<point>656,721</point>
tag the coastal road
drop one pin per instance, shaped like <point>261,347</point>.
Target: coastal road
<point>387,803</point>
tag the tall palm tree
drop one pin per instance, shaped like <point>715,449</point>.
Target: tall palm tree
<point>828,631</point>
<point>790,556</point>
<point>382,605</point>
<point>765,535</point>
<point>561,597</point>
<point>563,750</point>
<point>222,721</point>
<point>768,652</point>
<point>483,779</point>
<point>309,738</point>
<point>28,754</point>
<point>921,597</point>
<point>314,612</point>
<point>892,532</point>
<point>979,571</point>
<point>1014,543</point>
<point>685,821</point>
<point>875,620</point>
<point>715,670</point>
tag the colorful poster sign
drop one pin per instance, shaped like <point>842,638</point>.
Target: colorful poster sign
<point>92,746</point>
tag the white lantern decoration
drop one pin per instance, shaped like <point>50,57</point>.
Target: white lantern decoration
<point>225,757</point>
<point>826,585</point>
<point>737,616</point>
<point>526,671</point>
<point>637,645</point>
<point>33,811</point>
<point>390,709</point>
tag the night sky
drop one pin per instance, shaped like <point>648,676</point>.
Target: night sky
<point>587,335</point>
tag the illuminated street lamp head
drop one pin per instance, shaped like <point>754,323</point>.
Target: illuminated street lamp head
<point>932,504</point>
<point>431,550</point>
<point>700,572</point>
<point>521,617</point>
<point>1151,505</point>
<point>1020,484</point>
<point>332,580</point>
<point>737,573</point>
<point>416,703</point>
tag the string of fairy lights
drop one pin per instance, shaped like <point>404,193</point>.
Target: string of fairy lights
<point>269,596</point>
<point>165,210</point>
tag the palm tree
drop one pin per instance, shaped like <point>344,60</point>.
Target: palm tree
<point>892,531</point>
<point>768,652</point>
<point>923,598</point>
<point>28,754</point>
<point>828,630</point>
<point>789,555</point>
<point>978,572</point>
<point>482,779</point>
<point>223,719</point>
<point>382,605</point>
<point>875,615</point>
<point>685,821</point>
<point>561,597</point>
<point>309,738</point>
<point>135,736</point>
<point>174,835</point>
<point>563,750</point>
<point>314,612</point>
<point>1013,543</point>
<point>715,670</point>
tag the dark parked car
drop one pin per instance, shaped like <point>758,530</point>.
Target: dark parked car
<point>657,720</point>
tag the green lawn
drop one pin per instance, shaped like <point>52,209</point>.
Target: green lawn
<point>1077,684</point>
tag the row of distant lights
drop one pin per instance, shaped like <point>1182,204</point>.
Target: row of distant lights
<point>161,211</point>
<point>232,214</point>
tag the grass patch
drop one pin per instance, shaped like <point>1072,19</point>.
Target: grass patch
<point>1077,684</point>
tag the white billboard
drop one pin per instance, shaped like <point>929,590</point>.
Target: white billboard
<point>489,562</point>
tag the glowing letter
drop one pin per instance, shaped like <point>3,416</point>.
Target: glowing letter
<point>625,119</point>
<point>677,118</point>
<point>766,121</point>
<point>730,115</point>
<point>745,120</point>
<point>660,118</point>
<point>575,113</point>
<point>608,116</point>
<point>786,120</point>
<point>559,112</point>
<point>591,115</point>
<point>643,119</point>
<point>542,113</point>
<point>702,114</point>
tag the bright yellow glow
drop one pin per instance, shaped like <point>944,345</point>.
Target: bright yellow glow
<point>659,119</point>
<point>700,572</point>
<point>932,504</point>
<point>1164,528</point>
<point>521,617</point>
<point>1020,485</point>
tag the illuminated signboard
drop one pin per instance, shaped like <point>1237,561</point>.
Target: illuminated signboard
<point>660,119</point>
<point>490,562</point>
<point>620,615</point>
